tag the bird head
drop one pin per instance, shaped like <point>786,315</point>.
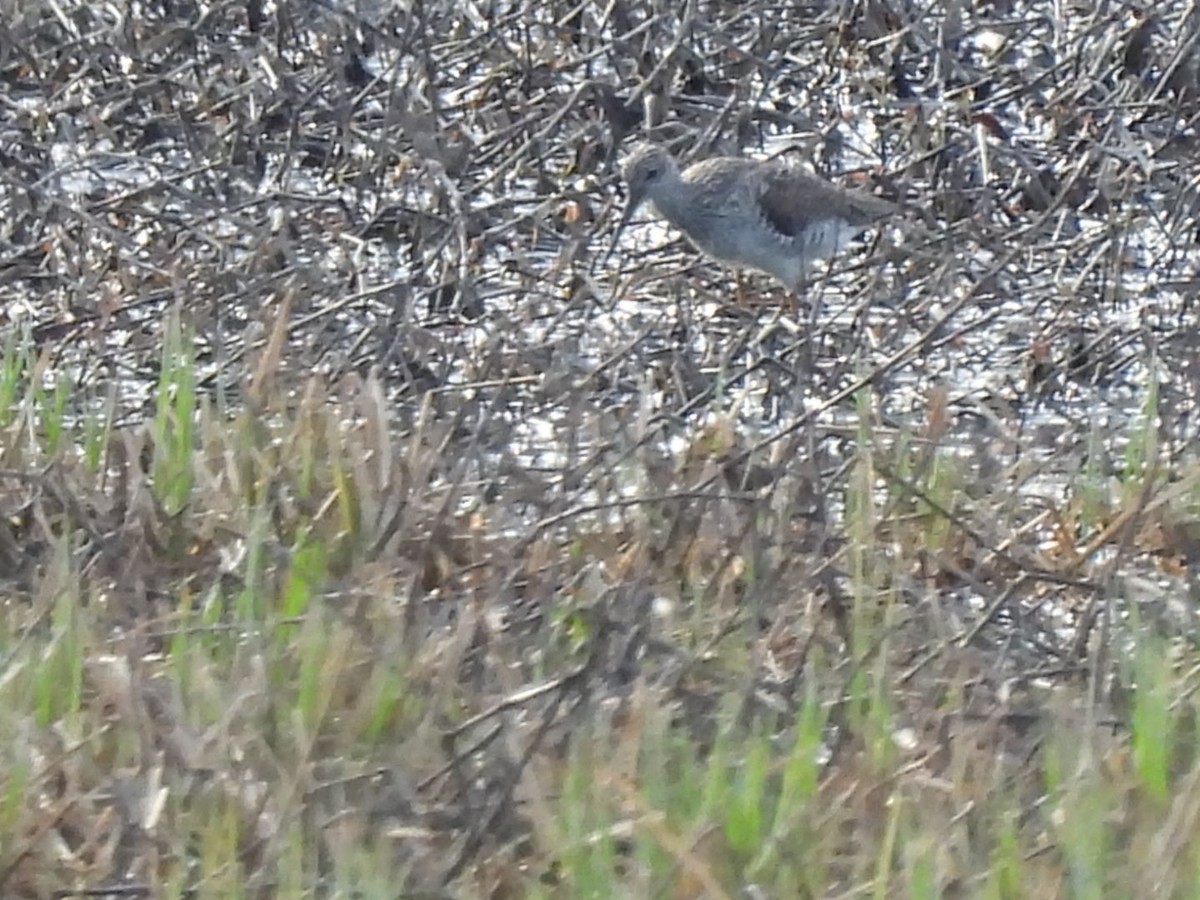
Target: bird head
<point>647,168</point>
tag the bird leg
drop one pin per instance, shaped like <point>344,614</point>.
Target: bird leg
<point>794,298</point>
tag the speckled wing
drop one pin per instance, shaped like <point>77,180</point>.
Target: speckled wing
<point>724,185</point>
<point>792,201</point>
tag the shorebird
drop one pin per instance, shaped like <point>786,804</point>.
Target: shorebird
<point>757,214</point>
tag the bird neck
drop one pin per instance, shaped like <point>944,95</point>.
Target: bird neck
<point>672,196</point>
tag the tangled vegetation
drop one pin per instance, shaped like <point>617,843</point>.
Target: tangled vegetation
<point>364,534</point>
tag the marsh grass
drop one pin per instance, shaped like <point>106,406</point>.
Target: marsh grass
<point>361,537</point>
<point>286,707</point>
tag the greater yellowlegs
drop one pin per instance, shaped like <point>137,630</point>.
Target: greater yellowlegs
<point>758,214</point>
